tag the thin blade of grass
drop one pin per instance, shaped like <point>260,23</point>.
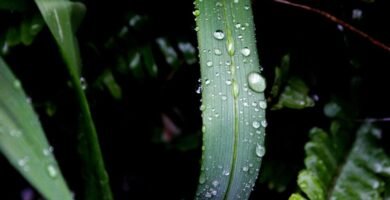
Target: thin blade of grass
<point>63,18</point>
<point>233,102</point>
<point>23,142</point>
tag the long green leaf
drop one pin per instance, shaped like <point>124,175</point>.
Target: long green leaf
<point>63,17</point>
<point>23,142</point>
<point>334,171</point>
<point>233,102</point>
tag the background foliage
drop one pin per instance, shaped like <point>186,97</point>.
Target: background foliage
<point>141,70</point>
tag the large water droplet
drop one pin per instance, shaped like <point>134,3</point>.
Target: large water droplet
<point>256,82</point>
<point>245,51</point>
<point>256,124</point>
<point>230,47</point>
<point>260,150</point>
<point>52,171</point>
<point>264,123</point>
<point>219,35</point>
<point>17,84</point>
<point>236,90</point>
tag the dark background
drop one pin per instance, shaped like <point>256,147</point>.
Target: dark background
<point>140,163</point>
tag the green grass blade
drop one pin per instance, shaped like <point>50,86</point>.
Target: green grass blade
<point>63,17</point>
<point>233,102</point>
<point>23,142</point>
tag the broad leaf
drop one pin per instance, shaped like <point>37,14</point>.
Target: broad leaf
<point>23,142</point>
<point>233,102</point>
<point>334,171</point>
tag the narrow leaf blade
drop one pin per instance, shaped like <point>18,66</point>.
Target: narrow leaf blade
<point>233,102</point>
<point>23,142</point>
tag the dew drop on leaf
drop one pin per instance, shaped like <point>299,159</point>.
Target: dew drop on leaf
<point>256,82</point>
<point>260,150</point>
<point>219,35</point>
<point>245,51</point>
<point>256,124</point>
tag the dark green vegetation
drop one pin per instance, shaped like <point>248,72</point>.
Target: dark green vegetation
<point>327,113</point>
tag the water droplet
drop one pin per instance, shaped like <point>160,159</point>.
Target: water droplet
<point>228,82</point>
<point>83,83</point>
<point>264,123</point>
<point>226,172</point>
<point>230,48</point>
<point>202,107</point>
<point>196,13</point>
<point>256,124</point>
<point>47,151</point>
<point>224,97</point>
<point>246,7</point>
<point>236,1</point>
<point>238,25</point>
<point>219,35</point>
<point>217,52</point>
<point>22,162</point>
<point>245,51</point>
<point>15,133</point>
<point>207,81</point>
<point>263,104</point>
<point>260,150</point>
<point>256,82</point>
<point>52,171</point>
<point>202,178</point>
<point>209,63</point>
<point>236,91</point>
<point>215,183</point>
<point>245,169</point>
<point>198,90</point>
<point>17,84</point>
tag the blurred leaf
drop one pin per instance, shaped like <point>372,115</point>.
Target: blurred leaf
<point>295,95</point>
<point>108,80</point>
<point>149,61</point>
<point>334,171</point>
<point>281,74</point>
<point>14,5</point>
<point>23,142</point>
<point>296,197</point>
<point>169,52</point>
<point>188,51</point>
<point>24,33</point>
<point>233,102</point>
<point>62,18</point>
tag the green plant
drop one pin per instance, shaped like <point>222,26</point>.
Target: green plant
<point>233,103</point>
